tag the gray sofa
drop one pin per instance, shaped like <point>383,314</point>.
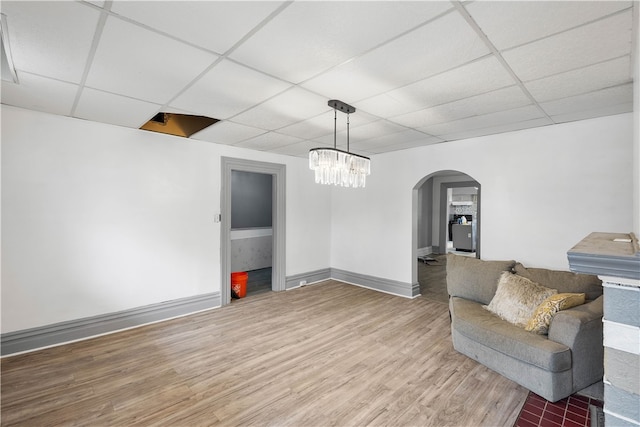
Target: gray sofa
<point>554,366</point>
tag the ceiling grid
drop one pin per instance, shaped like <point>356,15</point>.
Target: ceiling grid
<point>418,72</point>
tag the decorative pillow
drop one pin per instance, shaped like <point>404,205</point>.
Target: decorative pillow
<point>517,298</point>
<point>541,319</point>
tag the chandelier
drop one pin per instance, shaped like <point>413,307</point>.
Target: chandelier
<point>337,167</point>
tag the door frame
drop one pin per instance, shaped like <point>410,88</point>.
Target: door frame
<point>278,172</point>
<point>444,223</point>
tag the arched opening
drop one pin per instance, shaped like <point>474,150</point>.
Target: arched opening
<point>440,200</point>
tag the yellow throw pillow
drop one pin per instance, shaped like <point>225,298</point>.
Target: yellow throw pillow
<point>541,319</point>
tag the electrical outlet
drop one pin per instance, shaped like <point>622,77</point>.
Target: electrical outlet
<point>303,282</point>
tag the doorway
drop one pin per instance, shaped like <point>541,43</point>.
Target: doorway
<point>460,218</point>
<point>252,229</point>
<point>433,212</point>
<point>277,229</point>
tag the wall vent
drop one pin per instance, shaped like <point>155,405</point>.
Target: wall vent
<point>183,125</point>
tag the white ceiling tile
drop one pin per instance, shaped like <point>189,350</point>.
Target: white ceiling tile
<point>309,37</point>
<point>214,25</point>
<point>376,129</point>
<point>287,108</point>
<point>602,98</point>
<point>175,110</point>
<point>350,82</point>
<point>268,141</point>
<point>511,23</point>
<point>118,110</point>
<point>40,94</point>
<point>322,125</point>
<point>428,140</point>
<point>471,79</point>
<point>607,110</point>
<point>340,139</point>
<point>299,149</point>
<point>583,80</point>
<point>43,41</point>
<point>603,40</point>
<point>95,2</point>
<point>490,102</point>
<point>402,137</point>
<point>228,89</point>
<point>497,129</point>
<point>134,62</point>
<point>443,44</point>
<point>361,133</point>
<point>228,133</point>
<point>485,121</point>
<point>312,128</point>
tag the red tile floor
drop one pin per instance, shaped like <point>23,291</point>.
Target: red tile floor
<point>570,412</point>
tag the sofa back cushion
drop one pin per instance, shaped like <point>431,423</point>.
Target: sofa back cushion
<point>474,279</point>
<point>563,281</point>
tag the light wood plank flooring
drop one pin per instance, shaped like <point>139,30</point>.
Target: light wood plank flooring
<point>432,277</point>
<point>322,355</point>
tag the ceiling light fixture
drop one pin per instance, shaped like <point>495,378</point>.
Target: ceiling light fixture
<point>337,167</point>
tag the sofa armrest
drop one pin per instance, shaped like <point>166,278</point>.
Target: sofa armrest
<point>580,329</point>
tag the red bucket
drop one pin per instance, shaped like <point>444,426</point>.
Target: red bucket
<point>239,283</point>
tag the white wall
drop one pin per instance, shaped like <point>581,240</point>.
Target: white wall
<point>543,190</point>
<point>98,218</point>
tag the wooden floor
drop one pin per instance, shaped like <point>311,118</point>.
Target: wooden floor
<point>432,277</point>
<point>328,354</point>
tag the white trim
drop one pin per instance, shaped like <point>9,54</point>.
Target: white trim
<point>621,337</point>
<point>622,417</point>
<point>249,233</point>
<point>623,282</point>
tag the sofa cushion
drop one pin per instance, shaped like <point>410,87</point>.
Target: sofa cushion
<point>563,281</point>
<point>474,279</point>
<point>541,319</point>
<point>478,324</point>
<point>517,298</point>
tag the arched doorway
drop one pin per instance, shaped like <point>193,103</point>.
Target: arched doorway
<point>434,210</point>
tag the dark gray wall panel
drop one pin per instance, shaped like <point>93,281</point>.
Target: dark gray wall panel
<point>251,199</point>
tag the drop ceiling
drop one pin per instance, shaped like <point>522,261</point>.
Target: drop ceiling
<point>418,73</point>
